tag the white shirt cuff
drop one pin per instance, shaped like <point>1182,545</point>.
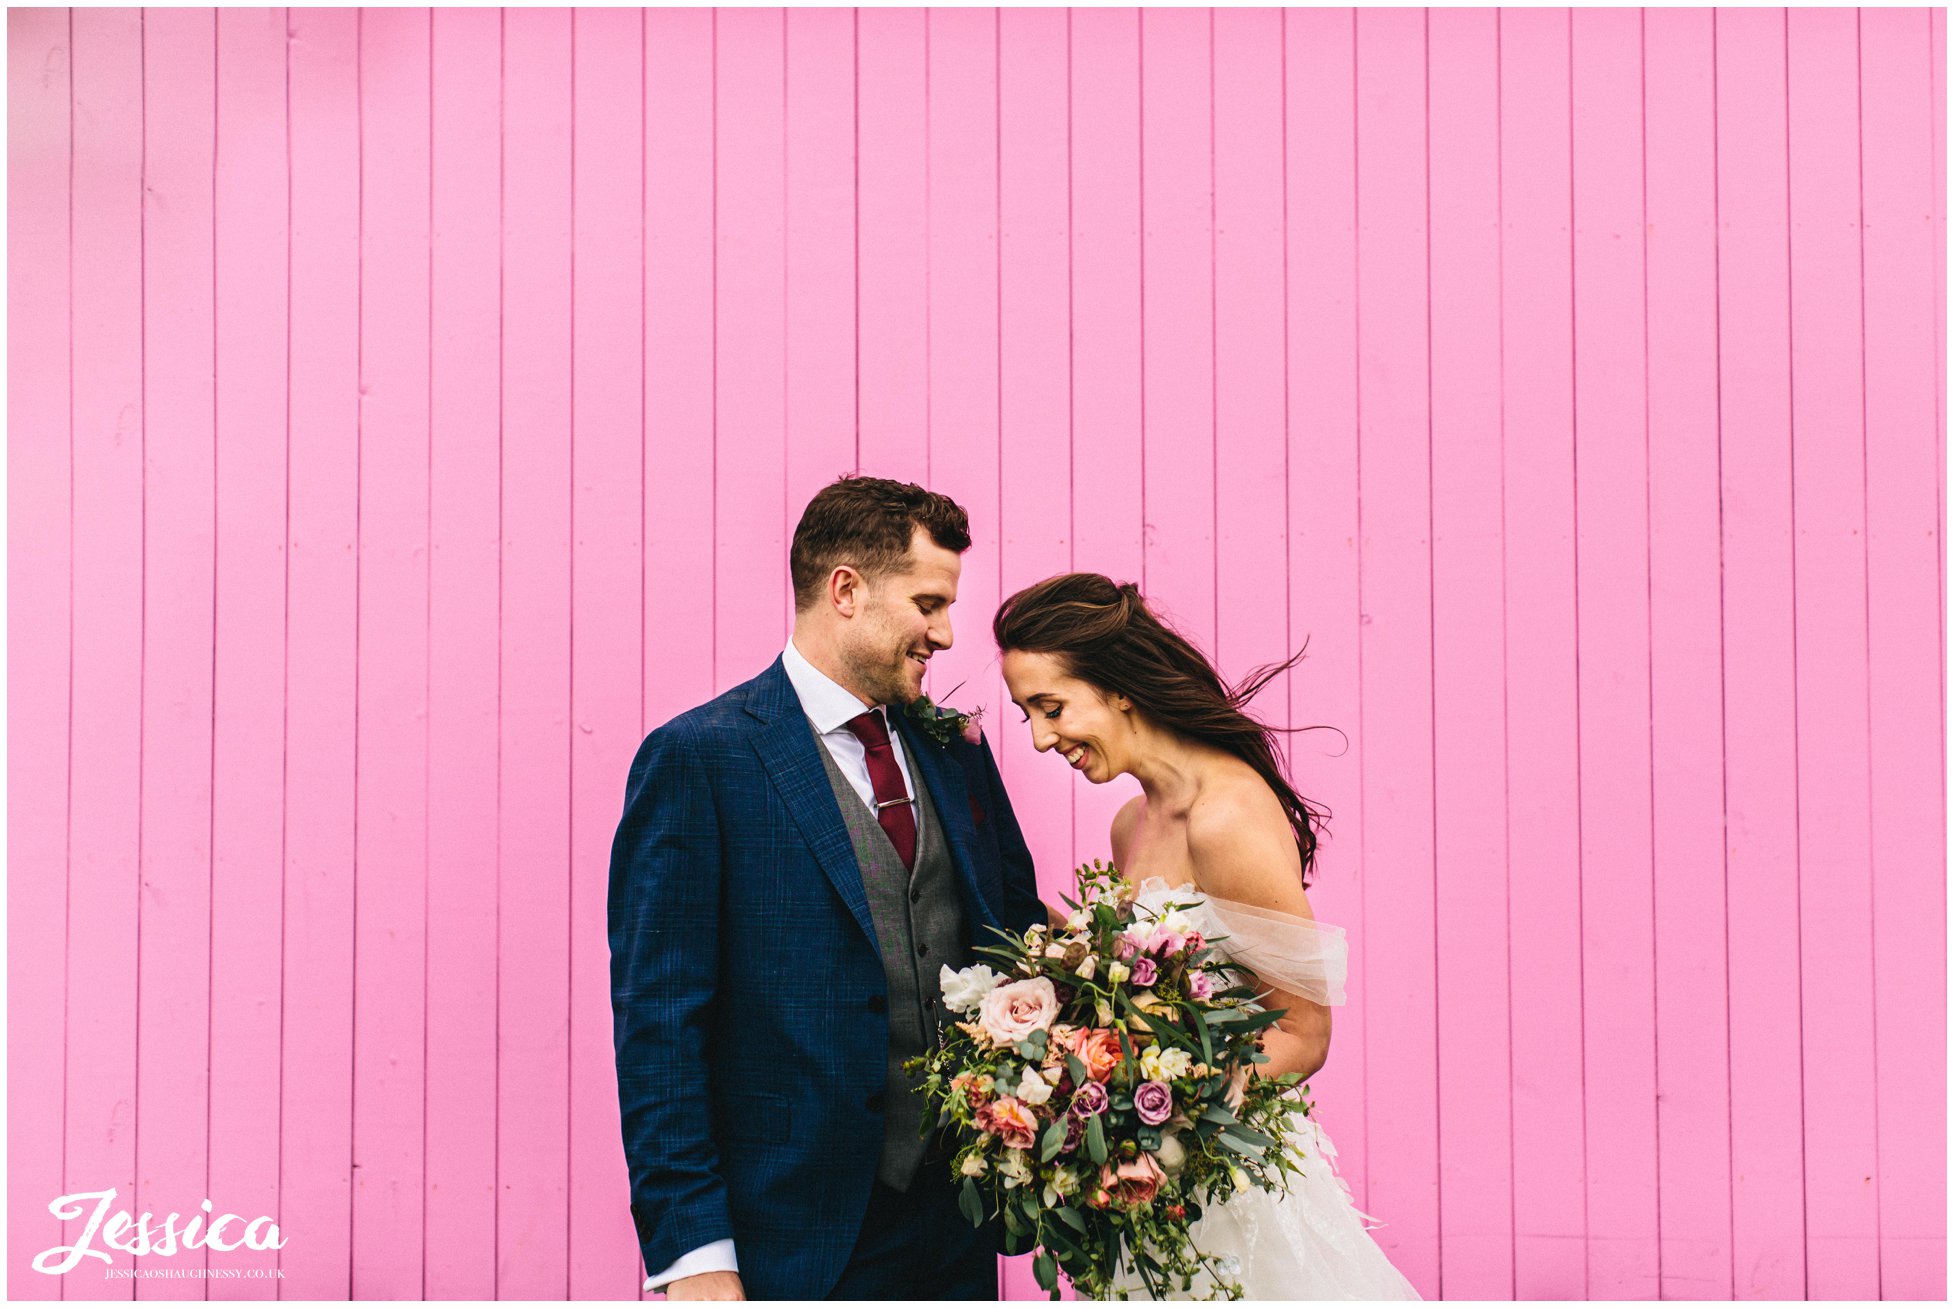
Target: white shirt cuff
<point>715,1257</point>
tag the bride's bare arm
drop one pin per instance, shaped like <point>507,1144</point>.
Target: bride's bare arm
<point>1242,849</point>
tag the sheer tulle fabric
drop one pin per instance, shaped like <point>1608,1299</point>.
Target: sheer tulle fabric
<point>1313,1242</point>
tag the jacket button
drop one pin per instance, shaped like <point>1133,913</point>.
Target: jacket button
<point>916,896</point>
<point>877,1004</point>
<point>875,1102</point>
<point>923,950</point>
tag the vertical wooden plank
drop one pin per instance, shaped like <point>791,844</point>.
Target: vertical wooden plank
<point>390,923</point>
<point>464,525</point>
<point>1898,53</point>
<point>173,918</point>
<point>1759,693</point>
<point>1394,485</point>
<point>963,326</point>
<point>749,265</point>
<point>1035,451</point>
<point>248,744</point>
<point>1251,503</point>
<point>1543,805</point>
<point>1611,553</point>
<point>679,354</point>
<point>1829,570</point>
<point>316,1110</point>
<point>1320,253</point>
<point>1177,318</point>
<point>1468,664</point>
<point>892,244</point>
<point>1107,510</point>
<point>607,579</point>
<point>1685,655</point>
<point>533,1056</point>
<point>40,568</point>
<point>820,267</point>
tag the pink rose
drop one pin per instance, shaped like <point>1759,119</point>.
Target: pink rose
<point>1134,1182</point>
<point>1011,1121</point>
<point>1200,985</point>
<point>972,733</point>
<point>1154,1102</point>
<point>1145,973</point>
<point>1012,1012</point>
<point>1194,942</point>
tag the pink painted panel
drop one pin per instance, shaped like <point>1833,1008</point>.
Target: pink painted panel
<point>1612,581</point>
<point>402,399</point>
<point>1760,731</point>
<point>1475,1141</point>
<point>607,580</point>
<point>1685,659</point>
<point>750,399</point>
<point>1177,401</point>
<point>1320,310</point>
<point>463,688</point>
<point>892,243</point>
<point>1828,458</point>
<point>322,588</point>
<point>1395,638</point>
<point>247,722</point>
<point>679,463</point>
<point>40,567</point>
<point>1550,1178</point>
<point>532,1138</point>
<point>1904,215</point>
<point>390,926</point>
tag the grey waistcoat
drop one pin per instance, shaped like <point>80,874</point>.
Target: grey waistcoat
<point>919,925</point>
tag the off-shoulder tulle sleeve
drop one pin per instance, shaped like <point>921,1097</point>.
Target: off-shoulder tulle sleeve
<point>1287,952</point>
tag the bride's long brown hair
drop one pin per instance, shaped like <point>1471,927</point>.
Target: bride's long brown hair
<point>1105,635</point>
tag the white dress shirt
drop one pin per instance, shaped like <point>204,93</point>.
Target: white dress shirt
<point>829,706</point>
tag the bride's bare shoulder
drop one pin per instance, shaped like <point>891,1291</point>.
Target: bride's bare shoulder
<point>1242,847</point>
<point>1125,822</point>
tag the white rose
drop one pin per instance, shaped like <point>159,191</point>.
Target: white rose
<point>964,991</point>
<point>974,1165</point>
<point>1171,1155</point>
<point>1034,1089</point>
<point>1013,1168</point>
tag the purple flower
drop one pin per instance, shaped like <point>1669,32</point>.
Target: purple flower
<point>1200,985</point>
<point>1145,973</point>
<point>972,733</point>
<point>1066,994</point>
<point>1154,1102</point>
<point>1091,1100</point>
<point>1075,1131</point>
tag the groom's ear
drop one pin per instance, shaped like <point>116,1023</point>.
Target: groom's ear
<point>844,589</point>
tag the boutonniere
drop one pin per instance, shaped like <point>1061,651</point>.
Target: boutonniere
<point>944,722</point>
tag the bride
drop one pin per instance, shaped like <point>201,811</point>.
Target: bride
<point>1114,691</point>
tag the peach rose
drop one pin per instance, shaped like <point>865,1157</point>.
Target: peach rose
<point>1133,1182</point>
<point>1012,1012</point>
<point>1010,1120</point>
<point>1099,1050</point>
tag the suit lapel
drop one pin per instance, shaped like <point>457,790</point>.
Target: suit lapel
<point>952,795</point>
<point>786,746</point>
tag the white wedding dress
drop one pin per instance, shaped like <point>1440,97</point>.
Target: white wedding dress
<point>1310,1242</point>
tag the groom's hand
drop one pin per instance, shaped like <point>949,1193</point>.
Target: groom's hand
<point>707,1285</point>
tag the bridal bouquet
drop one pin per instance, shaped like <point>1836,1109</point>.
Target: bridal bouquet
<point>1098,1087</point>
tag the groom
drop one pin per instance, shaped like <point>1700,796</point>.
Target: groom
<point>796,862</point>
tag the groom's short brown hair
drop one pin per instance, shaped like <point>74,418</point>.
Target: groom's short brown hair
<point>867,523</point>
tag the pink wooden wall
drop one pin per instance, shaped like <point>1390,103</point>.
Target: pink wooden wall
<point>409,411</point>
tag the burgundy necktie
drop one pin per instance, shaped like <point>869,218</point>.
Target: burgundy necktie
<point>893,807</point>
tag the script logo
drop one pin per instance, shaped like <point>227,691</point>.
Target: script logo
<point>134,1235</point>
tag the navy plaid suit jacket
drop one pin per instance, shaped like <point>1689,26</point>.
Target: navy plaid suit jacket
<point>747,989</point>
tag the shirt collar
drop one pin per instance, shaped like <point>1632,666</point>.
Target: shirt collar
<point>828,704</point>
